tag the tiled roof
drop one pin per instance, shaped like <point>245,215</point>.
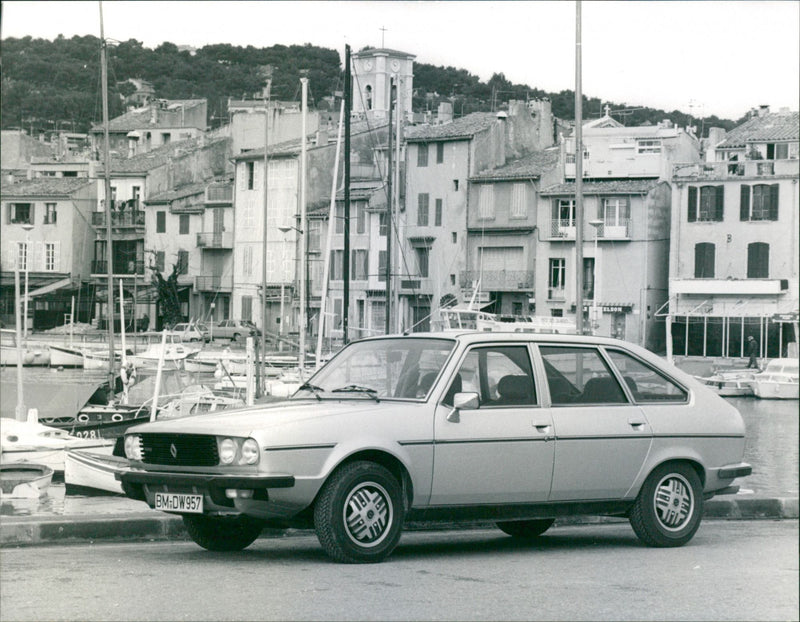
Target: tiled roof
<point>531,165</point>
<point>463,127</point>
<point>143,162</point>
<point>625,186</point>
<point>292,147</point>
<point>45,186</point>
<point>772,126</point>
<point>139,119</point>
<point>178,193</point>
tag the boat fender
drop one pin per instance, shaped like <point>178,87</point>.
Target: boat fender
<point>83,417</point>
<point>116,417</point>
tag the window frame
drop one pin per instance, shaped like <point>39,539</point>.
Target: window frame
<point>422,155</point>
<point>423,209</point>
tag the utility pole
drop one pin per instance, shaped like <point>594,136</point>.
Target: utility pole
<point>107,176</point>
<point>346,258</point>
<point>303,227</point>
<point>578,175</point>
<point>264,230</point>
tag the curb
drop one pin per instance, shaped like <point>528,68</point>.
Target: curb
<point>148,526</point>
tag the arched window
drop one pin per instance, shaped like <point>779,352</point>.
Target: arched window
<point>368,93</point>
<point>704,260</point>
<point>758,260</point>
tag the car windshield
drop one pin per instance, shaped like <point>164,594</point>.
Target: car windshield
<point>248,323</point>
<point>403,367</point>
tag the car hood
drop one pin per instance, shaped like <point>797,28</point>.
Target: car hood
<point>245,421</point>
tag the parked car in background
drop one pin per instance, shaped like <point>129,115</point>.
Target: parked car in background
<point>190,331</point>
<point>517,428</point>
<point>235,330</point>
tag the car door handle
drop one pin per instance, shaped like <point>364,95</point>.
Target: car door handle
<point>636,423</point>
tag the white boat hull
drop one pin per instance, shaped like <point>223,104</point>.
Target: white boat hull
<point>88,471</point>
<point>774,390</point>
<point>24,481</point>
<point>64,356</point>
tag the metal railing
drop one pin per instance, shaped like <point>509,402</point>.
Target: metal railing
<point>565,228</point>
<point>494,280</point>
<point>215,239</point>
<point>213,283</point>
<point>125,218</point>
<point>120,267</point>
<point>735,169</point>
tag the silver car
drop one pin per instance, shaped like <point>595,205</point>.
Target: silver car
<point>235,330</point>
<point>516,428</point>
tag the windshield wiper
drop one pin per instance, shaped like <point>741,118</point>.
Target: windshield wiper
<point>354,388</point>
<point>313,388</point>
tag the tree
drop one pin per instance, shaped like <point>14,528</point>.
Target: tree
<point>168,301</point>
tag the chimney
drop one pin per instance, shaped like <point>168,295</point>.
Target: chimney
<point>154,113</point>
<point>445,112</point>
<point>763,109</point>
<point>715,135</point>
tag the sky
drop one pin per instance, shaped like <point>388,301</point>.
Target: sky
<point>702,57</point>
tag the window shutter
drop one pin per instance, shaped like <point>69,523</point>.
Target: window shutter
<point>627,209</point>
<point>692,204</point>
<point>33,214</point>
<point>773,201</point>
<point>719,207</point>
<point>10,208</point>
<point>744,203</point>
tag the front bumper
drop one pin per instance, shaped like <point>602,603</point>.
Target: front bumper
<point>141,485</point>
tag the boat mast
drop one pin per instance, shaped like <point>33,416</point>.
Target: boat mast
<point>346,253</point>
<point>262,380</point>
<point>303,227</point>
<point>578,176</point>
<point>396,216</point>
<point>331,220</point>
<point>107,177</point>
<point>389,219</point>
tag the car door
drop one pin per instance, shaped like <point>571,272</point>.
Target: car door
<point>502,451</point>
<point>602,438</point>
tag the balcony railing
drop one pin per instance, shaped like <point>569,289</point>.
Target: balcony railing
<point>498,280</point>
<point>565,229</point>
<point>132,268</point>
<point>132,218</point>
<point>213,283</point>
<point>219,194</point>
<point>735,169</point>
<point>556,293</point>
<point>215,239</point>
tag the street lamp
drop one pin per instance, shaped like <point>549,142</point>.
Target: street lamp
<point>286,229</point>
<point>596,224</point>
<point>28,227</point>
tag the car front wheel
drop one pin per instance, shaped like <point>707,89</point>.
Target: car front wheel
<point>222,533</point>
<point>359,514</point>
<point>669,507</point>
<point>526,528</point>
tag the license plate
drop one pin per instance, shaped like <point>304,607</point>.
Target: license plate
<point>174,502</point>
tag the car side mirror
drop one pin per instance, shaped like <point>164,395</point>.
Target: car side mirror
<point>463,401</point>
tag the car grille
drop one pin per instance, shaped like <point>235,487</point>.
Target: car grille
<point>180,449</point>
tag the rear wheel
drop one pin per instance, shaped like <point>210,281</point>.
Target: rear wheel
<point>669,507</point>
<point>359,514</point>
<point>236,337</point>
<point>222,533</point>
<point>526,528</point>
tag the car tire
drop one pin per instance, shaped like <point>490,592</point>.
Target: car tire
<point>222,533</point>
<point>359,513</point>
<point>526,528</point>
<point>669,507</point>
<point>236,337</point>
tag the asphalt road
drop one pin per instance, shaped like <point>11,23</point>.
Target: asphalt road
<point>732,570</point>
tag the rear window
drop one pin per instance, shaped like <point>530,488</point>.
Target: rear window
<point>579,376</point>
<point>645,383</point>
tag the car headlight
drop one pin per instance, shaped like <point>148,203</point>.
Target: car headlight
<point>249,451</point>
<point>133,447</point>
<point>227,451</point>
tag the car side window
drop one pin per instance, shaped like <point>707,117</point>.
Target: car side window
<point>645,383</point>
<point>579,376</point>
<point>500,375</point>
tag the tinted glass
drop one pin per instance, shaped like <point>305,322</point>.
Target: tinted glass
<point>644,382</point>
<point>579,376</point>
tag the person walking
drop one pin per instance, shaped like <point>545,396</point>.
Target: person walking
<point>752,352</point>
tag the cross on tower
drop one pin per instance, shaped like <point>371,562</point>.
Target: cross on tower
<point>383,33</point>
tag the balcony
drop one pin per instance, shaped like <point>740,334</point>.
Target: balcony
<point>125,218</point>
<point>744,169</point>
<point>219,194</point>
<point>563,228</point>
<point>213,283</point>
<point>732,287</point>
<point>215,240</point>
<point>556,293</point>
<point>621,230</point>
<point>498,280</point>
<point>121,268</point>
